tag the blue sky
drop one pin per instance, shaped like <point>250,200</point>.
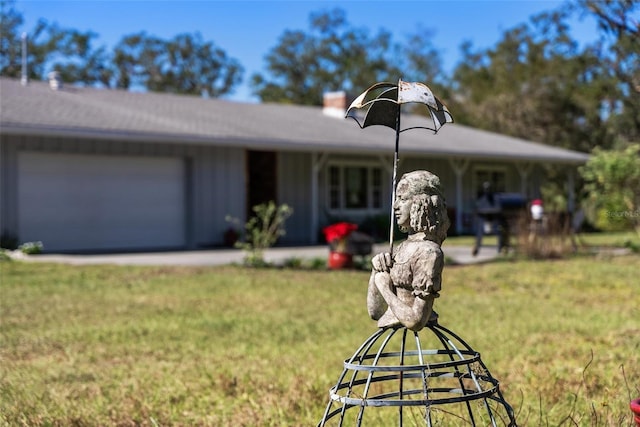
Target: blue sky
<point>247,30</point>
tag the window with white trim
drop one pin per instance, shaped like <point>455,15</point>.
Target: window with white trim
<point>354,187</point>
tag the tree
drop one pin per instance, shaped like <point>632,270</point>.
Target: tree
<point>421,61</point>
<point>132,58</point>
<point>10,40</point>
<point>50,47</point>
<point>619,51</point>
<point>612,188</point>
<point>136,60</point>
<point>535,84</point>
<point>332,56</point>
<point>76,60</point>
<point>185,64</point>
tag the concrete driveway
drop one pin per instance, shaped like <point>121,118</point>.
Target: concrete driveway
<point>213,257</point>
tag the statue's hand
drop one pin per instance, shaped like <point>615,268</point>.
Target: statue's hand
<point>382,262</point>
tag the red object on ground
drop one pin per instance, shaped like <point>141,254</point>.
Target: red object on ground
<point>339,260</point>
<point>338,231</point>
<point>635,408</point>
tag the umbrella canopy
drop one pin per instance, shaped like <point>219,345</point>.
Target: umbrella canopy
<point>382,103</point>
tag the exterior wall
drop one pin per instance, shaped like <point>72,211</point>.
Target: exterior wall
<point>294,189</point>
<point>218,191</point>
<point>215,180</point>
<point>440,167</point>
<point>216,184</point>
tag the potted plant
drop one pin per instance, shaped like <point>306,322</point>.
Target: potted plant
<point>635,408</point>
<point>336,235</point>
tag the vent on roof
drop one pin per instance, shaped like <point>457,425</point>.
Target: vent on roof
<point>334,104</point>
<point>24,79</point>
<point>55,80</point>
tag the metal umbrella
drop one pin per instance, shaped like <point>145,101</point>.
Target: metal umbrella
<point>382,104</point>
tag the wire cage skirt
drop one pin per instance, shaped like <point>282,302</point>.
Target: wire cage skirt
<point>401,377</point>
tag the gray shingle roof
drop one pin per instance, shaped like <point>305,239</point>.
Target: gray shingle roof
<point>155,117</point>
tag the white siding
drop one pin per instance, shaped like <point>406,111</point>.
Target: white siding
<point>294,189</point>
<point>218,191</point>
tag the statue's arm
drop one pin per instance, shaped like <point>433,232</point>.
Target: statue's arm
<point>376,304</point>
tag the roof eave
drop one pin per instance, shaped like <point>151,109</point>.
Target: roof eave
<point>279,144</point>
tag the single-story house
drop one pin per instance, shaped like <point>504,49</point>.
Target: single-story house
<point>86,169</point>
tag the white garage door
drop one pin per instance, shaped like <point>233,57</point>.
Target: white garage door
<point>75,202</point>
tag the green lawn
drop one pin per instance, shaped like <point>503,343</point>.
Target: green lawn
<point>609,239</point>
<point>107,345</point>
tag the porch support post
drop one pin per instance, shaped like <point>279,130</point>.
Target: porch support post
<point>317,161</point>
<point>524,169</point>
<point>459,166</point>
<point>571,195</point>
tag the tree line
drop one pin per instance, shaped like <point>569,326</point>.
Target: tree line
<point>184,64</point>
<point>536,82</point>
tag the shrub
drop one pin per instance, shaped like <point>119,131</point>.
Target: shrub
<point>31,248</point>
<point>612,179</point>
<point>262,231</point>
<point>553,238</point>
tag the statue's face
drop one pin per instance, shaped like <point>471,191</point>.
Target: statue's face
<point>402,206</point>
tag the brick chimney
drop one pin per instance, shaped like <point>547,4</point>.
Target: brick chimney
<point>334,104</point>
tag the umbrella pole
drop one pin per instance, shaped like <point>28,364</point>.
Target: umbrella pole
<point>393,182</point>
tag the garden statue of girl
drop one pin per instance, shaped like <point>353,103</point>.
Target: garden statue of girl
<point>403,286</point>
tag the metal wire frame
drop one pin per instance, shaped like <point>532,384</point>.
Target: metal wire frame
<point>393,369</point>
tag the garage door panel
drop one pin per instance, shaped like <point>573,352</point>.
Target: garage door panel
<point>91,202</point>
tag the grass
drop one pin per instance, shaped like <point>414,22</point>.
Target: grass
<point>609,239</point>
<point>108,345</point>
<point>612,239</point>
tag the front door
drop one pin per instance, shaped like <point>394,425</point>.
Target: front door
<point>262,179</point>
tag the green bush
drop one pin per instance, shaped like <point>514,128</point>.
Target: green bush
<point>612,179</point>
<point>262,231</point>
<point>31,248</point>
